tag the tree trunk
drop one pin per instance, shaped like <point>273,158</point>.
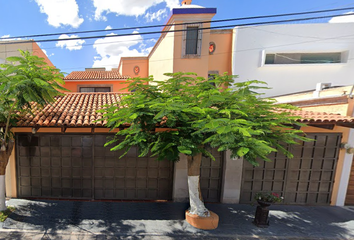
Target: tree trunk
<point>195,195</point>
<point>4,158</point>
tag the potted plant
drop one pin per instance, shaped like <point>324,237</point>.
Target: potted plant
<point>264,199</point>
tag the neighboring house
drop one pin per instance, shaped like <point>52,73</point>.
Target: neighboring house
<point>96,80</point>
<point>10,48</point>
<point>336,100</point>
<point>60,152</point>
<point>294,57</point>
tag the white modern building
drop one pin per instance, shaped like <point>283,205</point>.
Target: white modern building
<point>294,57</point>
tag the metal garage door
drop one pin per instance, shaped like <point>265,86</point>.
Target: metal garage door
<point>211,177</point>
<point>80,167</point>
<point>305,179</point>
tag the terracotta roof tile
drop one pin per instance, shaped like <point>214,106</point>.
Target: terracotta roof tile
<point>321,117</point>
<point>71,110</point>
<point>79,110</point>
<point>94,75</point>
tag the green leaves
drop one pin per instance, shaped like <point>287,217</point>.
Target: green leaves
<point>242,151</point>
<point>25,82</point>
<point>185,113</point>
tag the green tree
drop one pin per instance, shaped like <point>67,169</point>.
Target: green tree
<point>195,112</point>
<point>26,82</point>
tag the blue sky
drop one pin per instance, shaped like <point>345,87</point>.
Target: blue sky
<point>27,17</point>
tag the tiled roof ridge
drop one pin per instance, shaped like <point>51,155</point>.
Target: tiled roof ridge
<point>93,93</point>
<point>87,75</point>
<point>80,110</point>
<point>71,110</point>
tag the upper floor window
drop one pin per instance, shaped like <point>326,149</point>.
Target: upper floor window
<point>192,40</point>
<point>95,89</point>
<point>303,58</point>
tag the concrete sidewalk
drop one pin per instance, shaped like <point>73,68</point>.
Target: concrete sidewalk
<point>143,220</point>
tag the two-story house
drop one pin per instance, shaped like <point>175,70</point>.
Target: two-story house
<point>60,151</point>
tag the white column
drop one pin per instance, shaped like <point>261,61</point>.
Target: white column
<point>344,177</point>
<point>180,180</point>
<point>2,193</point>
<point>232,178</point>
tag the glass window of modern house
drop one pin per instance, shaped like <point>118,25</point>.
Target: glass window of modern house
<point>303,58</point>
<point>95,89</point>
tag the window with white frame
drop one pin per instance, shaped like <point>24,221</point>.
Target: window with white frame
<point>192,40</point>
<point>303,58</point>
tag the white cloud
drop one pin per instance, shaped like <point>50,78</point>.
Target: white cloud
<point>70,44</point>
<point>128,8</point>
<point>343,19</point>
<point>61,12</point>
<point>111,49</point>
<point>150,17</point>
<point>8,39</point>
<point>45,52</point>
<point>108,27</point>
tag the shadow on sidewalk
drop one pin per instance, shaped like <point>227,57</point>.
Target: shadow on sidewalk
<point>141,219</point>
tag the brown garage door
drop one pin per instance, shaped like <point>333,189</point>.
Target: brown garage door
<point>305,179</point>
<point>79,166</point>
<point>211,177</point>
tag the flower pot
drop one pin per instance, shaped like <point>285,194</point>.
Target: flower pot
<point>264,204</point>
<point>262,214</point>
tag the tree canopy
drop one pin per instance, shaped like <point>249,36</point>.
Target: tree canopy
<point>25,82</point>
<point>220,112</point>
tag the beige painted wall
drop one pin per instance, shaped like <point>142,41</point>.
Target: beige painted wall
<point>11,49</point>
<point>162,56</point>
<point>8,50</point>
<point>341,109</point>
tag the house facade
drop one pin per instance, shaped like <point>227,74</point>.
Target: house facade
<point>10,49</point>
<point>60,151</point>
<point>336,100</point>
<point>96,80</point>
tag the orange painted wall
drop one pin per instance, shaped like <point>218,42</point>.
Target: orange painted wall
<point>126,67</point>
<point>220,60</point>
<point>117,85</point>
<point>38,52</point>
<point>200,64</point>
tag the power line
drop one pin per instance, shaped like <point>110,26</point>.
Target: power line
<point>167,25</point>
<point>244,50</point>
<point>182,30</point>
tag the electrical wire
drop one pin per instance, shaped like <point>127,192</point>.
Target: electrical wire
<point>168,25</point>
<point>181,30</point>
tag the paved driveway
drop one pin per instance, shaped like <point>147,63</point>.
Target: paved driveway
<point>145,220</point>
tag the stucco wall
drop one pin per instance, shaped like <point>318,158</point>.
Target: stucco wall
<point>127,65</point>
<point>117,86</point>
<point>39,52</point>
<point>8,50</point>
<point>220,60</point>
<point>197,65</point>
<point>161,57</point>
<point>249,45</point>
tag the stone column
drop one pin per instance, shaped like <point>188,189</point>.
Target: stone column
<point>180,180</point>
<point>232,178</point>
